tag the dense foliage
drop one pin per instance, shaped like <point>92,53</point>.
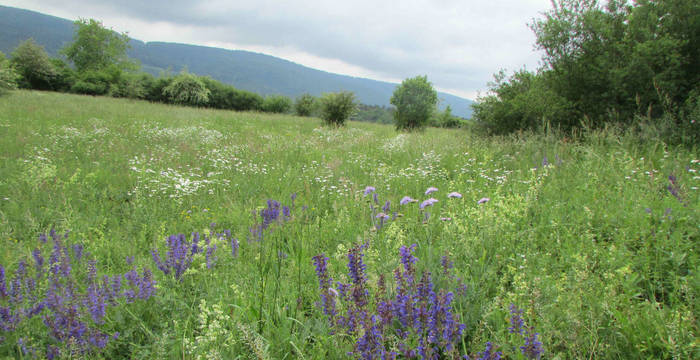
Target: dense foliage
<point>415,101</point>
<point>187,89</point>
<point>33,65</point>
<point>95,47</point>
<point>615,63</point>
<point>336,108</point>
<point>305,105</point>
<point>279,104</point>
<point>8,76</point>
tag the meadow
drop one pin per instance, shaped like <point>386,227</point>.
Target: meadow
<point>590,243</point>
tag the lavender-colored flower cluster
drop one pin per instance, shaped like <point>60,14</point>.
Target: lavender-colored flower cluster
<point>53,290</point>
<point>180,253</point>
<point>532,347</point>
<point>416,321</point>
<point>275,212</point>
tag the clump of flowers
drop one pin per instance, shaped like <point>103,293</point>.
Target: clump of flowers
<point>68,296</point>
<point>415,320</point>
<point>180,252</point>
<point>532,347</point>
<point>274,213</point>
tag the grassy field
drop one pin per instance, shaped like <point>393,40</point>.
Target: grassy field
<point>595,239</point>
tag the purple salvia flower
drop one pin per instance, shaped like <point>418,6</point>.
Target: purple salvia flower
<point>368,190</point>
<point>234,247</point>
<point>38,259</point>
<point>324,284</point>
<point>454,195</point>
<point>483,200</point>
<point>387,207</point>
<point>43,238</point>
<point>146,285</point>
<point>447,265</point>
<point>286,212</point>
<point>77,251</point>
<point>3,285</point>
<point>533,347</point>
<point>428,202</point>
<point>375,197</point>
<point>489,353</point>
<point>431,190</point>
<point>210,256</point>
<point>545,161</point>
<point>516,320</point>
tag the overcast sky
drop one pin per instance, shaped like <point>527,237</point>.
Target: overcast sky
<point>458,44</point>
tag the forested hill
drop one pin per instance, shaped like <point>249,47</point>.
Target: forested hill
<point>246,70</point>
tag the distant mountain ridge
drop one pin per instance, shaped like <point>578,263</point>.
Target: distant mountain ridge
<point>246,70</point>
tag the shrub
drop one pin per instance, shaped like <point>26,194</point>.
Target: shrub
<point>92,83</point>
<point>415,101</point>
<point>276,104</point>
<point>304,105</point>
<point>445,119</point>
<point>33,66</point>
<point>129,86</point>
<point>336,108</point>
<point>187,89</point>
<point>247,101</point>
<point>8,77</point>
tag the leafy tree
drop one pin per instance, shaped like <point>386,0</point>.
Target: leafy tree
<point>187,89</point>
<point>304,105</point>
<point>95,47</point>
<point>336,108</point>
<point>33,66</point>
<point>276,104</point>
<point>8,76</point>
<point>415,101</point>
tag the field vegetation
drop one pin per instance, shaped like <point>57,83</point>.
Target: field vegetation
<point>592,240</point>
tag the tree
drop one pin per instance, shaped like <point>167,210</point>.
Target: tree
<point>278,104</point>
<point>415,101</point>
<point>304,105</point>
<point>8,77</point>
<point>336,108</point>
<point>33,66</point>
<point>95,48</point>
<point>187,89</point>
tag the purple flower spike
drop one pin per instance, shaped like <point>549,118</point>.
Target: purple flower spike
<point>407,199</point>
<point>369,190</point>
<point>431,190</point>
<point>483,200</point>
<point>428,202</point>
<point>454,195</point>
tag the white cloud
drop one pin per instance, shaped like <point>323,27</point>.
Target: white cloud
<point>457,44</point>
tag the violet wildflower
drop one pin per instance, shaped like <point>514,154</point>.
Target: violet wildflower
<point>234,247</point>
<point>431,190</point>
<point>489,353</point>
<point>674,188</point>
<point>545,161</point>
<point>454,195</point>
<point>533,347</point>
<point>382,218</point>
<point>447,265</point>
<point>375,197</point>
<point>407,199</point>
<point>328,294</point>
<point>516,320</point>
<point>369,190</point>
<point>428,202</point>
<point>3,285</point>
<point>387,207</point>
<point>38,259</point>
<point>483,200</point>
<point>210,258</point>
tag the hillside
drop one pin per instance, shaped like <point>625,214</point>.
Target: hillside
<point>246,70</point>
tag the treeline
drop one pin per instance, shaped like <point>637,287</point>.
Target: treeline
<point>95,63</point>
<point>629,64</point>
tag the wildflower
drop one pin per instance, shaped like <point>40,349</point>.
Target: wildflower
<point>533,347</point>
<point>454,195</point>
<point>431,190</point>
<point>407,199</point>
<point>489,353</point>
<point>516,320</point>
<point>483,200</point>
<point>387,207</point>
<point>369,190</point>
<point>428,202</point>
<point>446,219</point>
<point>328,294</point>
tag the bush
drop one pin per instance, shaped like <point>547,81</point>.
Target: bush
<point>33,66</point>
<point>129,86</point>
<point>445,119</point>
<point>415,101</point>
<point>304,105</point>
<point>8,76</point>
<point>247,101</point>
<point>92,83</point>
<point>336,108</point>
<point>187,89</point>
<point>276,104</point>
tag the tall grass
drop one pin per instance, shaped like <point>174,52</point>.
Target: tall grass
<point>591,238</point>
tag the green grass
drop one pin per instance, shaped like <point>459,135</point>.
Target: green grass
<point>593,246</point>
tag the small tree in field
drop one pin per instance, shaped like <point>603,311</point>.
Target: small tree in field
<point>8,77</point>
<point>95,47</point>
<point>33,65</point>
<point>187,89</point>
<point>304,105</point>
<point>278,104</point>
<point>415,101</point>
<point>337,107</point>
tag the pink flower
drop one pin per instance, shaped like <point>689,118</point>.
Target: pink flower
<point>483,200</point>
<point>454,195</point>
